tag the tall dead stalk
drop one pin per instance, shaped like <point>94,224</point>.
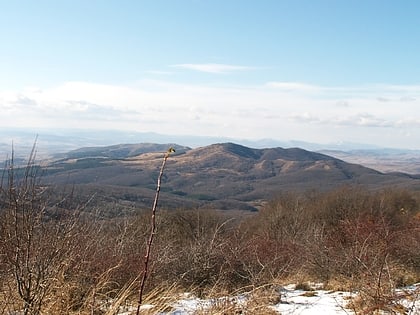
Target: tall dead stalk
<point>152,230</point>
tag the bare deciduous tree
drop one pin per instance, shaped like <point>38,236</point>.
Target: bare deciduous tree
<point>34,247</point>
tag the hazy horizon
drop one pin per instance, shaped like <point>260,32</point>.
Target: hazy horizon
<point>78,138</point>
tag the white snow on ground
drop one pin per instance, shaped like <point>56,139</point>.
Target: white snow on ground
<point>294,302</point>
<point>190,304</point>
<point>413,304</point>
<point>322,302</point>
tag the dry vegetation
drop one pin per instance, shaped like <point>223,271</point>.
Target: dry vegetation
<point>56,258</point>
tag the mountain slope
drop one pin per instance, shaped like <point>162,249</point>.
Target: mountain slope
<point>120,150</point>
<point>225,176</point>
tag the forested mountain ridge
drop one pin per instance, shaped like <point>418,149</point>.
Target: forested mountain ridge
<point>224,175</point>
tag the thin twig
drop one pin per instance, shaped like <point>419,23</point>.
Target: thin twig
<point>152,231</point>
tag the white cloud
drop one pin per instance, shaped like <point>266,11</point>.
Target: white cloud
<point>409,122</point>
<point>363,119</point>
<point>342,103</point>
<point>304,117</point>
<point>216,68</point>
<point>407,99</point>
<point>383,99</point>
<point>310,113</point>
<point>294,87</point>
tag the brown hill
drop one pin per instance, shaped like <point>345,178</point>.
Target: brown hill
<point>225,176</point>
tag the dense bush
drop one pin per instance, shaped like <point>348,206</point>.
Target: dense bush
<point>64,257</point>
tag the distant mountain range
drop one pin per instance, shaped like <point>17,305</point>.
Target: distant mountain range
<point>223,176</point>
<point>50,142</point>
<point>384,160</point>
<point>56,140</point>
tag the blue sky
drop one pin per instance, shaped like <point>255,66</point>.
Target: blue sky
<point>319,71</point>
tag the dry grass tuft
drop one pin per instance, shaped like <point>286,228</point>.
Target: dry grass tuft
<point>163,297</point>
<point>309,294</point>
<point>304,286</point>
<point>257,301</point>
